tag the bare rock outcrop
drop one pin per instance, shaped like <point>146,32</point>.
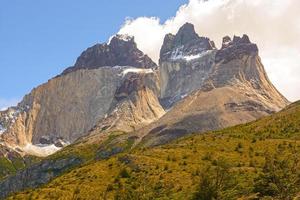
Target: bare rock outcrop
<point>185,62</point>
<point>212,90</point>
<point>68,106</point>
<point>185,43</point>
<point>115,86</point>
<point>135,105</point>
<point>121,51</point>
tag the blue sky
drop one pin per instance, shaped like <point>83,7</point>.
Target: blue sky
<point>40,38</point>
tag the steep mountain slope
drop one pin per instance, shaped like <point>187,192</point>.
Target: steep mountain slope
<point>121,51</point>
<point>135,104</point>
<point>115,87</point>
<point>180,70</point>
<point>10,162</point>
<point>213,90</point>
<point>68,106</point>
<point>256,160</point>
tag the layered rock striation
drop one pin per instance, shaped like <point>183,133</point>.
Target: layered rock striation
<point>68,106</point>
<point>116,87</point>
<point>212,89</point>
<point>120,51</point>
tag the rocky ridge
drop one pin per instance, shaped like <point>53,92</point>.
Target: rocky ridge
<point>116,87</point>
<point>120,51</point>
<point>185,44</point>
<point>213,90</point>
<point>68,106</point>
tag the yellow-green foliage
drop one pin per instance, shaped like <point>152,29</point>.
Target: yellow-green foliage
<point>87,151</point>
<point>6,167</point>
<point>10,166</point>
<point>177,170</point>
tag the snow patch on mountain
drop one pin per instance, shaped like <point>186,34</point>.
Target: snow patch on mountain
<point>178,54</point>
<point>12,115</point>
<point>193,57</point>
<point>2,129</point>
<point>40,149</point>
<point>136,70</point>
<point>124,37</point>
<point>124,70</point>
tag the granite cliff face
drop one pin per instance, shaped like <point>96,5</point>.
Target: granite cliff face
<point>121,51</point>
<point>186,43</point>
<point>68,106</point>
<point>185,62</point>
<point>212,89</point>
<point>116,87</point>
<point>83,97</point>
<point>135,103</point>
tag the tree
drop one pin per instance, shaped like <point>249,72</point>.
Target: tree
<point>279,178</point>
<point>216,183</point>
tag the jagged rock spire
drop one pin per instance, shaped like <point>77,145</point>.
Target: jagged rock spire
<point>185,43</point>
<point>235,48</point>
<point>186,34</point>
<point>120,51</point>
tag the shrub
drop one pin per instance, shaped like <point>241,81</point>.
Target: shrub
<point>216,183</point>
<point>124,173</point>
<point>280,178</point>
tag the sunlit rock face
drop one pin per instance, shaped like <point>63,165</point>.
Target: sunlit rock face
<point>204,88</point>
<point>116,90</point>
<point>135,103</point>
<point>65,107</point>
<point>120,51</point>
<point>185,44</point>
<point>68,106</point>
<point>185,62</point>
<point>116,87</point>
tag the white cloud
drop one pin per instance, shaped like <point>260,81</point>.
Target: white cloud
<point>5,103</point>
<point>273,24</point>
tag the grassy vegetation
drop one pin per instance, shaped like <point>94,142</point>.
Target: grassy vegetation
<point>258,160</point>
<point>90,151</point>
<point>9,166</point>
<point>6,167</point>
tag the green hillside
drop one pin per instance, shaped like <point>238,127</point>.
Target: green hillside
<point>11,162</point>
<point>258,160</point>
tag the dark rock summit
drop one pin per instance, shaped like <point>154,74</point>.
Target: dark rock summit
<point>234,49</point>
<point>185,43</point>
<point>116,88</point>
<point>121,51</point>
<point>131,84</point>
<point>204,88</point>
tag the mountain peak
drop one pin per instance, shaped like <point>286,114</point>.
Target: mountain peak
<point>188,26</point>
<point>119,40</point>
<point>185,43</point>
<point>226,41</point>
<point>186,34</point>
<point>120,51</point>
<point>122,37</point>
<point>238,46</point>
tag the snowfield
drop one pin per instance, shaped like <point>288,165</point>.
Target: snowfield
<point>178,54</point>
<point>136,70</point>
<point>40,150</point>
<point>2,129</point>
<point>124,70</point>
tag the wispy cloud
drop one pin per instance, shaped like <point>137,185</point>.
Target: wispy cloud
<point>273,24</point>
<point>5,103</point>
